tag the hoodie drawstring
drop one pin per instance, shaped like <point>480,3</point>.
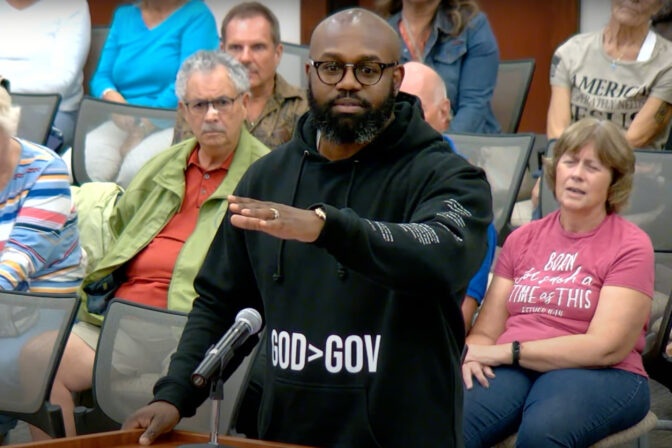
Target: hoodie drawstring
<point>278,276</point>
<point>341,272</point>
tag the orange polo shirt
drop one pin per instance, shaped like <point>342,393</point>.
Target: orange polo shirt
<point>148,274</point>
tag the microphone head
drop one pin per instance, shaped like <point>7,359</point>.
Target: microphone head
<point>251,317</point>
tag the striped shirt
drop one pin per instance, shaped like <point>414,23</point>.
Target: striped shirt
<point>39,241</point>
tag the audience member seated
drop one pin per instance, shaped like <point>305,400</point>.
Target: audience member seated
<point>39,242</point>
<point>44,48</point>
<point>423,82</point>
<point>146,44</point>
<point>620,73</point>
<point>555,353</point>
<point>251,34</point>
<point>455,39</point>
<point>181,197</point>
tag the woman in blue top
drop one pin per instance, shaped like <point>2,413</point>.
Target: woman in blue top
<point>144,49</point>
<point>455,39</point>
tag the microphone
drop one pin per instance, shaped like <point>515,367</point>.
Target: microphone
<point>248,322</point>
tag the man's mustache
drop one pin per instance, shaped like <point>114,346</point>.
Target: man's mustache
<point>207,127</point>
<point>347,94</point>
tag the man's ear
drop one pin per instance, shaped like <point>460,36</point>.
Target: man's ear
<point>445,113</point>
<point>245,100</point>
<point>307,67</point>
<point>278,54</point>
<point>398,77</point>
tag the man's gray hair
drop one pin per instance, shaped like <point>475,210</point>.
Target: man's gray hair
<point>204,61</point>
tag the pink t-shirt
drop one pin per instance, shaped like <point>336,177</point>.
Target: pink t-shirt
<point>558,276</point>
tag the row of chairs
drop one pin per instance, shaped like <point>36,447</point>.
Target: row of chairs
<point>134,347</point>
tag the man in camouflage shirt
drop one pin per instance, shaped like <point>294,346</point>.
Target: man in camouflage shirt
<point>251,33</point>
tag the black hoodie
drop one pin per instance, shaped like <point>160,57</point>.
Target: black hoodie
<point>364,325</point>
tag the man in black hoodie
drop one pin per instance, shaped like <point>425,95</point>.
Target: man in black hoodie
<point>357,249</point>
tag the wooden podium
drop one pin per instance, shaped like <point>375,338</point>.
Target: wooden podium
<point>129,439</point>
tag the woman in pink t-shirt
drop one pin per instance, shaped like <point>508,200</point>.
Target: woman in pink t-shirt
<point>555,353</point>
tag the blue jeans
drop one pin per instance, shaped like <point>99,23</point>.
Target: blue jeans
<point>560,408</point>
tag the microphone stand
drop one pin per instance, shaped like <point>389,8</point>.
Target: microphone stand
<point>216,397</point>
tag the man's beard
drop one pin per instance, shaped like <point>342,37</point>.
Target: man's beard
<point>350,128</point>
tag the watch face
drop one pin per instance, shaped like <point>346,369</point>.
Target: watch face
<point>321,214</point>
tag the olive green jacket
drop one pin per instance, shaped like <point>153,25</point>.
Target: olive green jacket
<point>151,200</point>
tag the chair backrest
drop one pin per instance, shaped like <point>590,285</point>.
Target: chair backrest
<point>37,115</point>
<point>94,113</point>
<point>33,331</point>
<point>98,38</point>
<point>134,350</point>
<point>508,99</point>
<point>292,64</point>
<point>504,159</point>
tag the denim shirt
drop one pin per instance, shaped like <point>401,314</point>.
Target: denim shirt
<point>468,65</point>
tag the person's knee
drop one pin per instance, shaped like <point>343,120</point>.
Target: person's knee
<point>75,372</point>
<point>35,355</point>
<point>545,430</point>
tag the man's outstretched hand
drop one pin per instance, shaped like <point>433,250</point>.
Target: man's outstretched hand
<point>278,220</point>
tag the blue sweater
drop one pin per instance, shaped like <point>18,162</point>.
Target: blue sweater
<point>142,63</point>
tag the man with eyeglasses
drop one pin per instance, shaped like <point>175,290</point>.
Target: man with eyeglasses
<point>164,222</point>
<point>356,240</point>
<point>251,34</point>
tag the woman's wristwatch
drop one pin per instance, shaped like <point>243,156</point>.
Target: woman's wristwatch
<point>515,353</point>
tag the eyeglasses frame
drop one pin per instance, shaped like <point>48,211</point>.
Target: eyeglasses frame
<point>189,104</point>
<point>383,65</point>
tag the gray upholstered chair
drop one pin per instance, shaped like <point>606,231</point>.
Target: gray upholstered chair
<point>504,158</point>
<point>508,98</point>
<point>134,350</point>
<point>33,331</point>
<point>38,111</point>
<point>96,131</point>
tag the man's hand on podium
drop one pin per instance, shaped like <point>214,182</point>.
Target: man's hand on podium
<point>158,417</point>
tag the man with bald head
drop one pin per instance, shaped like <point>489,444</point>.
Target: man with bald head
<point>355,240</point>
<point>422,81</point>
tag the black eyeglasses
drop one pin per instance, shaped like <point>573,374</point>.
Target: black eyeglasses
<point>222,104</point>
<point>366,73</point>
